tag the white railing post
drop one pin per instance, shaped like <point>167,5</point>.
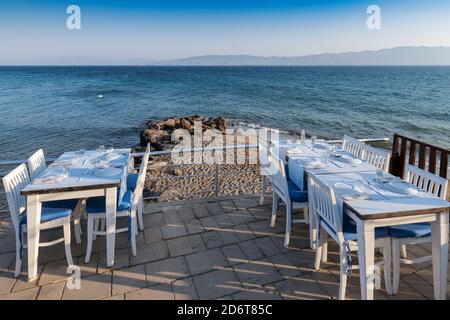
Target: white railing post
<point>216,180</point>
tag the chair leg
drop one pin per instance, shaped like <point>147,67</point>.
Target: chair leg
<point>78,231</point>
<point>274,209</point>
<point>133,236</point>
<point>263,190</point>
<point>343,272</point>
<point>404,255</point>
<point>140,213</point>
<point>18,269</point>
<point>90,238</point>
<point>288,224</point>
<point>96,226</point>
<point>395,265</point>
<point>319,248</point>
<point>325,251</point>
<point>306,215</point>
<point>67,248</point>
<point>102,224</point>
<point>387,257</point>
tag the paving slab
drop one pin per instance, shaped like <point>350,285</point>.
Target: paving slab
<point>128,279</point>
<point>205,261</point>
<point>216,284</point>
<point>185,245</point>
<point>158,292</point>
<point>166,271</point>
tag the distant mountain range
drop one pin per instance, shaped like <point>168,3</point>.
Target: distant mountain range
<point>395,56</point>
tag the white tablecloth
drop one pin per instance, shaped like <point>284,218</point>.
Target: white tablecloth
<point>298,163</point>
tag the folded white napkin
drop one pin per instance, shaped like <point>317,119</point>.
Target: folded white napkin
<point>311,163</point>
<point>52,176</point>
<point>357,197</point>
<point>66,162</point>
<point>296,150</point>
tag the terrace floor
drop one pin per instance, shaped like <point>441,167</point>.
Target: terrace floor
<point>200,250</point>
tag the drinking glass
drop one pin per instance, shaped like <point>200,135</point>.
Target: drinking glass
<point>313,141</point>
<point>363,188</point>
<point>380,176</point>
<point>326,158</point>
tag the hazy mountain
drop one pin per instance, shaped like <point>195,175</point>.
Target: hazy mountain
<point>394,56</point>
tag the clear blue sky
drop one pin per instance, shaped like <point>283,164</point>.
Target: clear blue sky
<point>136,31</point>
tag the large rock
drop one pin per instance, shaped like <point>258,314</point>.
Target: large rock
<point>154,136</point>
<point>159,132</point>
<point>185,124</point>
<point>169,124</point>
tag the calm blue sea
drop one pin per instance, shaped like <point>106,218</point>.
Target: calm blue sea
<point>59,108</point>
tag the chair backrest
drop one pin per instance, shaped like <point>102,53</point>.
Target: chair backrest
<point>352,145</point>
<point>324,206</point>
<point>141,179</point>
<point>14,182</point>
<point>377,157</point>
<point>429,182</point>
<point>278,178</point>
<point>36,164</point>
<point>264,162</point>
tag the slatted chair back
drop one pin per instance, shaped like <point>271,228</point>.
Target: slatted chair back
<point>353,146</point>
<point>279,179</point>
<point>377,157</point>
<point>36,164</point>
<point>264,151</point>
<point>14,182</point>
<point>429,182</point>
<point>325,206</point>
<point>141,179</point>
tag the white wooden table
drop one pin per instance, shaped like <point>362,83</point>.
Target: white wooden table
<point>81,183</point>
<point>298,171</point>
<point>386,208</point>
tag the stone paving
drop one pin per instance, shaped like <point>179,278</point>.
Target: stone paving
<point>201,250</point>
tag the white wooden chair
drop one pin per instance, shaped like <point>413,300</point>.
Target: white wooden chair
<point>376,157</point>
<point>51,217</point>
<point>352,146</point>
<point>36,164</point>
<point>289,193</point>
<point>128,204</point>
<point>417,233</point>
<point>338,226</point>
<point>264,151</point>
<point>132,180</point>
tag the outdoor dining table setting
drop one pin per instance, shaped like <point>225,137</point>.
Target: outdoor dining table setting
<point>77,175</point>
<point>372,198</point>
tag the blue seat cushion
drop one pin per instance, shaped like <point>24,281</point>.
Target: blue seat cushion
<point>132,179</point>
<point>67,204</point>
<point>98,205</point>
<point>49,214</point>
<point>296,194</point>
<point>412,230</point>
<point>350,233</point>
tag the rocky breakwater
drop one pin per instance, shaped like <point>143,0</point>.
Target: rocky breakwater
<point>159,132</point>
<point>168,181</point>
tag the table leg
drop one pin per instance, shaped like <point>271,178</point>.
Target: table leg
<point>439,231</point>
<point>312,222</point>
<point>111,207</point>
<point>312,225</point>
<point>366,258</point>
<point>33,222</point>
